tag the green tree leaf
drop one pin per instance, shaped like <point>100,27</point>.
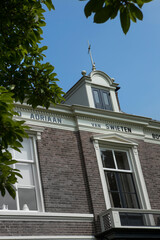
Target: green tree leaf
<point>135,11</point>
<point>109,9</point>
<point>125,19</point>
<point>89,8</point>
<point>103,14</point>
<point>23,75</point>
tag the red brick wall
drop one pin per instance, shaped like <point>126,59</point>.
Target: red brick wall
<point>71,182</point>
<point>70,175</point>
<point>149,155</point>
<point>94,181</point>
<point>62,171</point>
<point>64,184</point>
<point>25,228</point>
<point>92,172</point>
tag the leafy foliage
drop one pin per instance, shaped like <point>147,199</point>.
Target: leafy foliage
<point>24,76</point>
<point>11,135</point>
<point>20,55</point>
<point>104,10</point>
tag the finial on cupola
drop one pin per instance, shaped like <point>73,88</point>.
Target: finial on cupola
<point>93,63</point>
<point>83,73</point>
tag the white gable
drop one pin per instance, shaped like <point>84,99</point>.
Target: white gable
<point>101,79</point>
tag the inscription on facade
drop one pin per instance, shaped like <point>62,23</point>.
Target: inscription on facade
<point>118,128</point>
<point>42,117</point>
<point>112,127</point>
<point>45,118</point>
<point>155,136</point>
<point>96,125</point>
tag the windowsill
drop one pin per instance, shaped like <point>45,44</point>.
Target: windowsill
<point>44,216</point>
<point>132,218</point>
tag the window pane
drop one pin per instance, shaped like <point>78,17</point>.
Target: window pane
<point>115,199</point>
<point>9,201</point>
<point>105,98</point>
<point>128,191</point>
<point>113,189</point>
<point>26,153</point>
<point>122,160</point>
<point>111,181</point>
<point>127,182</point>
<point>27,173</point>
<point>121,189</point>
<point>96,96</point>
<point>27,196</point>
<point>131,201</point>
<point>107,159</point>
<point>131,219</point>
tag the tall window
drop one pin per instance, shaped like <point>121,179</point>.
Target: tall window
<point>26,188</point>
<point>102,99</point>
<point>119,178</point>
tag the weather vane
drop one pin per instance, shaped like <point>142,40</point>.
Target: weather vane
<point>89,51</point>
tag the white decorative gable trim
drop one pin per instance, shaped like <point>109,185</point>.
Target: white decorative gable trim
<point>113,138</point>
<point>109,81</point>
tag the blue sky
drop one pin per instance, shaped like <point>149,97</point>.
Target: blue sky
<point>132,59</point>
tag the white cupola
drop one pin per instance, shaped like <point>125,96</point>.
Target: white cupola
<point>97,90</point>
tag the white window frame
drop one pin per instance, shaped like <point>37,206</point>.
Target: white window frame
<point>38,185</point>
<point>36,176</point>
<point>117,142</point>
<point>102,104</point>
<point>116,169</point>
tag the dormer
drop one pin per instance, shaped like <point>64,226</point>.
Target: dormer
<point>97,90</point>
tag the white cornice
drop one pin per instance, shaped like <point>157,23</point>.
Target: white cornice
<point>39,216</point>
<point>94,113</point>
<point>62,237</point>
<point>105,114</point>
<point>59,108</point>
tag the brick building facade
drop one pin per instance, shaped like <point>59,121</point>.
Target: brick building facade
<point>89,170</point>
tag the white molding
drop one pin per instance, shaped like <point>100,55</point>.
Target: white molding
<point>105,76</point>
<point>104,115</point>
<point>88,111</point>
<point>142,189</point>
<point>67,110</point>
<point>153,141</point>
<point>37,178</point>
<point>114,138</point>
<point>80,117</point>
<point>48,237</point>
<point>114,101</point>
<point>37,130</point>
<point>101,171</point>
<point>95,85</point>
<point>39,216</point>
<point>90,95</point>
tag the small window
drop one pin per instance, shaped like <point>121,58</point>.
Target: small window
<point>102,99</point>
<point>26,187</point>
<point>119,179</point>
